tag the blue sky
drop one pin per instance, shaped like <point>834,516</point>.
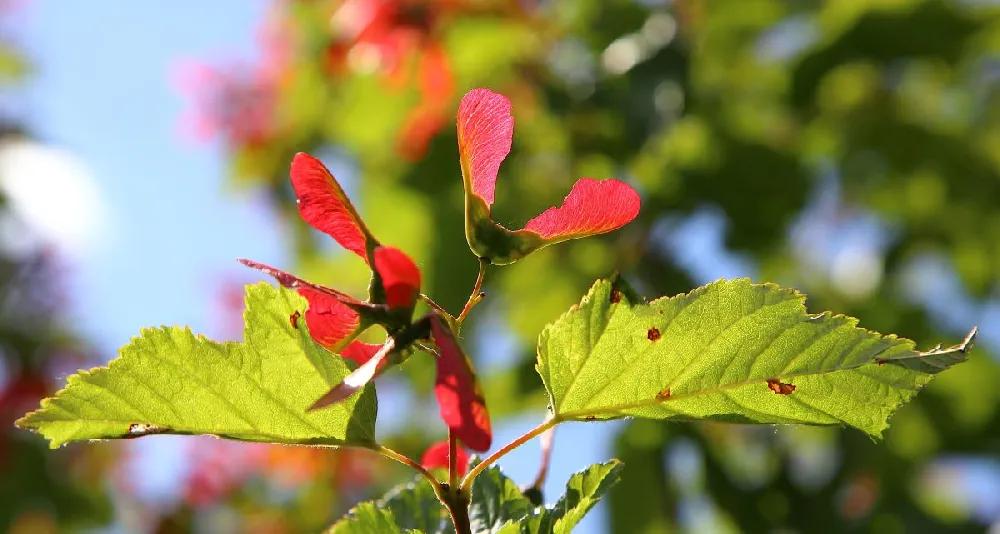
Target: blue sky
<point>102,91</point>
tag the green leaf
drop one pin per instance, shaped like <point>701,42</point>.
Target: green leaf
<point>414,505</point>
<point>170,381</point>
<point>495,500</point>
<point>410,507</point>
<point>729,351</point>
<point>501,507</point>
<point>583,491</point>
<point>496,506</point>
<point>367,518</point>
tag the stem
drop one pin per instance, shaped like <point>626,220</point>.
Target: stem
<point>430,349</point>
<point>476,295</point>
<point>543,471</point>
<point>407,461</point>
<point>457,502</point>
<point>545,425</point>
<point>451,496</point>
<point>430,302</point>
<point>452,459</point>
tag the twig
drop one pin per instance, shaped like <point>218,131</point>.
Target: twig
<point>545,425</point>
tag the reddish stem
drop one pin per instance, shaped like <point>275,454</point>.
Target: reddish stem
<point>476,295</point>
<point>491,459</point>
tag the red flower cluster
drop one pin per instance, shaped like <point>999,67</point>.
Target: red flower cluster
<point>335,319</point>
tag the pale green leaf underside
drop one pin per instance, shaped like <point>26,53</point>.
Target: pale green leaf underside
<point>583,491</point>
<point>497,506</point>
<point>168,380</point>
<point>410,507</point>
<point>713,352</point>
<point>516,515</point>
<point>415,506</point>
<point>496,501</point>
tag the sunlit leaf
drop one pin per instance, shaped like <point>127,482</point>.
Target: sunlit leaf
<point>410,507</point>
<point>499,506</point>
<point>496,501</point>
<point>171,381</point>
<point>414,506</point>
<point>729,351</point>
<point>367,518</point>
<point>583,491</point>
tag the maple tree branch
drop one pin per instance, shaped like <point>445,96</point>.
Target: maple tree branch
<point>457,502</point>
<point>455,499</point>
<point>548,423</point>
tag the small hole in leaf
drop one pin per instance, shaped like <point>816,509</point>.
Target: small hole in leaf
<point>653,334</point>
<point>293,318</point>
<point>136,430</point>
<point>780,388</point>
<point>663,395</point>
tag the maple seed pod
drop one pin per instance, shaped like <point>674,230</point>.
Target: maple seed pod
<point>485,133</point>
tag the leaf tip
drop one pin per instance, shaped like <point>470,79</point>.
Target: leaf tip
<point>966,345</point>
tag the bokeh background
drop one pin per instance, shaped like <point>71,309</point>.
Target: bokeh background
<point>849,148</point>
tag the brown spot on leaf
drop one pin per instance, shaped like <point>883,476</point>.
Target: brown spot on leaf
<point>591,418</point>
<point>880,362</point>
<point>780,388</point>
<point>663,395</point>
<point>616,295</point>
<point>653,334</point>
<point>293,318</point>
